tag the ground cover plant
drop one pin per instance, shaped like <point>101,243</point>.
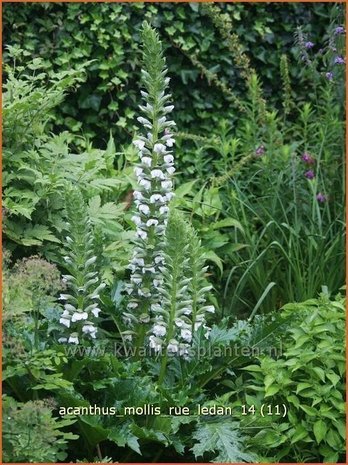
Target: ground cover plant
<point>179,296</point>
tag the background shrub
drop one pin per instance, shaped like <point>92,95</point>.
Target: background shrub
<point>66,34</point>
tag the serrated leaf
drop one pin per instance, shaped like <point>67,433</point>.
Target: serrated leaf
<point>222,438</point>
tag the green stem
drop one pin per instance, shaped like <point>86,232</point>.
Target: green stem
<point>140,340</point>
<point>171,324</point>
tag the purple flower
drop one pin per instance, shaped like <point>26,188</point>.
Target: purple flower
<point>340,30</point>
<point>309,45</point>
<point>260,151</point>
<point>307,158</point>
<point>329,76</point>
<point>321,197</point>
<point>339,60</point>
<point>309,174</point>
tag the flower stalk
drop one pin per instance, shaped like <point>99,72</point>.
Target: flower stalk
<point>154,174</point>
<point>83,286</point>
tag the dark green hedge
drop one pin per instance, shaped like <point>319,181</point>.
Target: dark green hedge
<point>65,34</point>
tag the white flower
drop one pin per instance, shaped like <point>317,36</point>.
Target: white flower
<point>65,322</point>
<point>173,346</point>
<point>159,259</point>
<point>169,196</point>
<point>96,311</point>
<point>170,142</point>
<point>89,328</point>
<point>144,209</point>
<point>169,108</point>
<point>128,337</point>
<point>138,171</point>
<point>160,230</point>
<point>183,350</point>
<point>139,144</point>
<point>171,170</point>
<point>144,122</point>
<point>142,108</point>
<point>61,340</point>
<point>179,323</point>
<point>157,198</point>
<point>146,161</point>
<point>145,184</point>
<point>159,330</point>
<point>207,333</point>
<point>126,320</point>
<point>198,324</point>
<point>138,195</point>
<point>142,234</point>
<point>79,316</point>
<point>90,261</point>
<point>159,148</point>
<point>149,269</point>
<point>73,339</point>
<point>138,261</point>
<point>168,159</point>
<point>186,335</point>
<point>186,311</point>
<point>136,219</point>
<point>136,279</point>
<point>163,210</point>
<point>167,184</point>
<point>152,222</point>
<point>157,282</point>
<point>209,308</point>
<point>132,305</point>
<point>155,343</point>
<point>163,119</point>
<point>155,307</point>
<point>64,296</point>
<point>157,174</point>
<point>170,123</point>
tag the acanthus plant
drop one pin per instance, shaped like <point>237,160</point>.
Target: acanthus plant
<point>167,285</point>
<point>83,286</point>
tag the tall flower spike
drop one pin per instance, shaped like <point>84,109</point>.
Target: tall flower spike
<point>154,174</point>
<point>81,307</point>
<point>184,292</point>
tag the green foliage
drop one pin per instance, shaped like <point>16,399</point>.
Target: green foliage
<point>32,434</point>
<point>308,377</point>
<point>108,98</point>
<point>81,307</point>
<point>36,163</point>
<point>29,284</point>
<point>242,203</point>
<point>221,437</point>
